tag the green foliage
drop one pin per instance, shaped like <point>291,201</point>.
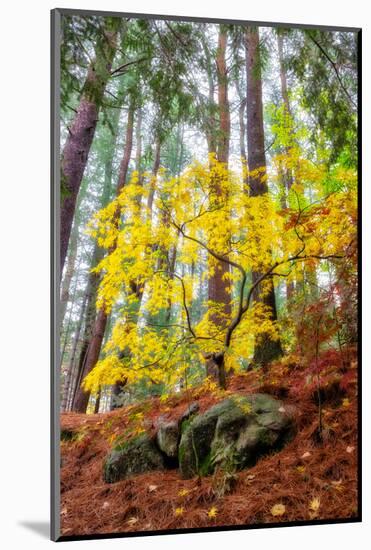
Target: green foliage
<point>326,65</point>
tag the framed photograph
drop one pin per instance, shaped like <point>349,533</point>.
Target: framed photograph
<point>205,274</point>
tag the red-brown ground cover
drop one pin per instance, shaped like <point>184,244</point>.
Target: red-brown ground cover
<point>313,479</point>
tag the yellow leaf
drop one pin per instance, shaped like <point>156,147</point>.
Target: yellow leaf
<point>337,485</point>
<point>278,509</point>
<point>179,511</point>
<point>300,469</point>
<point>212,513</point>
<point>314,504</point>
<point>183,492</point>
<point>337,482</point>
<point>346,402</point>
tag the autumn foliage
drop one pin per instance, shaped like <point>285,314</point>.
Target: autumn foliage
<point>228,226</point>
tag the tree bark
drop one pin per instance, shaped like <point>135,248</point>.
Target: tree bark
<point>97,403</point>
<point>70,268</point>
<point>287,178</point>
<point>95,345</point>
<point>241,116</point>
<point>138,139</point>
<point>218,288</point>
<point>82,397</point>
<point>266,349</point>
<point>223,103</point>
<point>80,136</point>
<point>210,123</point>
<point>90,316</point>
<point>69,321</point>
<point>68,379</point>
<point>155,169</point>
<point>93,278</point>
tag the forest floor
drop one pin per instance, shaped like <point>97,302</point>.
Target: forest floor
<point>312,479</point>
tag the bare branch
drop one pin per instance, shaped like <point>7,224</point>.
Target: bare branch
<point>212,253</point>
<point>184,299</point>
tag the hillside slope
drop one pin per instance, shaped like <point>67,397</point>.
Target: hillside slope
<point>311,479</point>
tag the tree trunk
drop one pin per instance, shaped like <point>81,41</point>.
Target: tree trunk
<point>124,165</point>
<point>287,178</point>
<point>156,166</point>
<point>219,290</point>
<point>80,135</point>
<point>68,325</point>
<point>172,262</point>
<point>92,356</point>
<point>90,315</point>
<point>266,349</point>
<point>210,123</point>
<point>93,278</point>
<point>97,403</point>
<point>134,314</point>
<point>136,288</point>
<point>223,103</point>
<point>68,379</point>
<point>215,368</point>
<point>283,78</point>
<point>95,345</point>
<point>138,139</point>
<point>241,114</point>
<point>70,268</point>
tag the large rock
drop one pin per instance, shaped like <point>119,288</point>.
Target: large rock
<point>233,434</point>
<point>168,431</point>
<point>136,456</point>
<point>167,438</point>
<point>192,409</point>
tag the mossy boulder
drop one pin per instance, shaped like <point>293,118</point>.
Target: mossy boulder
<point>195,444</point>
<point>192,409</point>
<point>233,434</point>
<point>136,456</point>
<point>167,438</point>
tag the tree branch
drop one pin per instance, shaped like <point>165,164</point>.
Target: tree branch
<point>184,299</point>
<point>211,252</point>
<point>119,71</point>
<point>345,91</point>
